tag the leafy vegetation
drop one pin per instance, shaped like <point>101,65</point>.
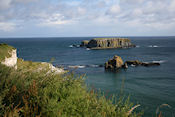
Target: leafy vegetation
<point>4,51</point>
<point>43,94</point>
<point>31,91</point>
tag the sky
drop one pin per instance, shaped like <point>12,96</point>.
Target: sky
<point>77,18</point>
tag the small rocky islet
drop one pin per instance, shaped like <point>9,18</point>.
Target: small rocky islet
<point>117,63</point>
<point>107,43</point>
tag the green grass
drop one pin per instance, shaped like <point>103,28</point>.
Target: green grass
<point>29,65</point>
<point>31,90</point>
<point>4,51</point>
<point>42,94</point>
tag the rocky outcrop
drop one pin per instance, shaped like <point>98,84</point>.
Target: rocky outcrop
<point>12,60</point>
<point>135,62</point>
<point>107,43</point>
<point>52,69</point>
<point>146,64</point>
<point>117,63</point>
<point>8,57</point>
<point>114,63</point>
<point>84,43</point>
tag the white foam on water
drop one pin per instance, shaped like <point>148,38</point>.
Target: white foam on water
<point>78,46</point>
<point>93,65</point>
<point>153,46</point>
<point>77,66</point>
<point>132,65</point>
<point>161,61</point>
<point>71,46</point>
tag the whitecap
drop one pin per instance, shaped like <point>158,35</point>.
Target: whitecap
<point>93,65</point>
<point>88,49</point>
<point>137,46</point>
<point>161,61</point>
<point>71,46</point>
<point>77,66</point>
<point>77,46</point>
<point>132,65</point>
<point>153,46</point>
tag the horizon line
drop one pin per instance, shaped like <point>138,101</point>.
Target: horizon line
<point>77,36</point>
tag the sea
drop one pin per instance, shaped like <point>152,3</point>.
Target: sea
<point>151,87</point>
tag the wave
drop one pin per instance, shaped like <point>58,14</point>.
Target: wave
<point>156,61</point>
<point>77,66</point>
<point>88,49</point>
<point>153,46</point>
<point>133,65</point>
<point>161,61</point>
<point>77,46</point>
<point>94,65</point>
<point>85,66</point>
<point>137,46</point>
<point>71,46</point>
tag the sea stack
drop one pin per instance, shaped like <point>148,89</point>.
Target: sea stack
<point>114,63</point>
<point>107,43</point>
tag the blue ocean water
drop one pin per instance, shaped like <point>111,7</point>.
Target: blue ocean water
<point>148,86</point>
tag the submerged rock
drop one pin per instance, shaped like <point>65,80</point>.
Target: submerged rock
<point>146,64</point>
<point>107,43</point>
<point>150,64</point>
<point>135,62</point>
<point>114,63</point>
<point>125,66</point>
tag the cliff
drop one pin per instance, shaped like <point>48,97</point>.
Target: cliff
<point>8,57</point>
<point>108,43</point>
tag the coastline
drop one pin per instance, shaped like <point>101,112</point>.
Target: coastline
<point>34,92</point>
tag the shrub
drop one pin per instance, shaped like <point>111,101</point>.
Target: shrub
<point>42,94</point>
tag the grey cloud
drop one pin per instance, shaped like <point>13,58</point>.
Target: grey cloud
<point>145,11</point>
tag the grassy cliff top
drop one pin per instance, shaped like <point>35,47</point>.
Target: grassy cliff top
<point>54,95</point>
<point>27,93</point>
<point>110,38</point>
<point>5,51</point>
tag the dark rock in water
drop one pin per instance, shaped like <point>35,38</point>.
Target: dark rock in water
<point>107,43</point>
<point>136,62</point>
<point>84,43</point>
<point>146,64</point>
<point>101,65</point>
<point>125,66</point>
<point>150,64</point>
<point>114,63</point>
<point>74,45</point>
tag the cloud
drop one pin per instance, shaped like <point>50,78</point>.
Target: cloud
<point>53,20</point>
<point>113,10</point>
<point>130,13</point>
<point>172,6</point>
<point>7,27</point>
<point>4,4</point>
<point>25,1</point>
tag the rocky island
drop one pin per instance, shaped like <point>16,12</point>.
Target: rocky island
<point>117,63</point>
<point>107,43</point>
